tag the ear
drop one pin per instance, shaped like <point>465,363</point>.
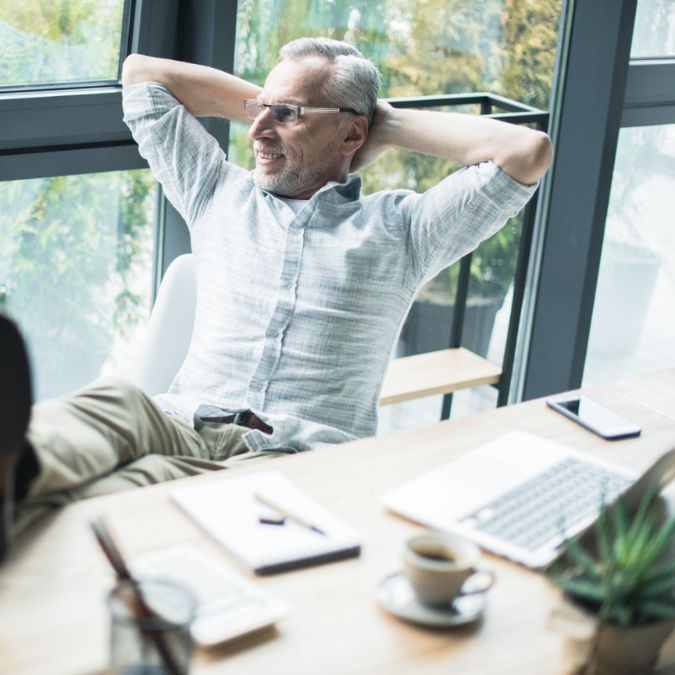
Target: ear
<point>355,135</point>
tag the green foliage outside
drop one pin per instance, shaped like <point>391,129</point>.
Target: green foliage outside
<point>73,250</point>
<point>52,42</point>
<point>426,47</point>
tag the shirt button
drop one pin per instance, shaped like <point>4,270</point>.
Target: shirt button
<point>255,385</point>
<point>273,333</point>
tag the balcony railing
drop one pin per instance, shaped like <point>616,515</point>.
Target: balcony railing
<point>507,110</point>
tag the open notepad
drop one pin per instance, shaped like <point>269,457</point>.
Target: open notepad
<point>230,512</point>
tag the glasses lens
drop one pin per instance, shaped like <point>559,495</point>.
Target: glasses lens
<point>253,108</point>
<point>284,114</point>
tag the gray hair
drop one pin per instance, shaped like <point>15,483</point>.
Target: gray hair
<point>355,80</point>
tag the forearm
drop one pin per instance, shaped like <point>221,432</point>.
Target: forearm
<point>523,153</point>
<point>204,91</point>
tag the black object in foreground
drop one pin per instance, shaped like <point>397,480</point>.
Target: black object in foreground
<point>141,609</point>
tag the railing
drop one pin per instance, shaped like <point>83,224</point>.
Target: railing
<point>515,113</point>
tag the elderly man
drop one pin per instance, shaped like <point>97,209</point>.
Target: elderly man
<point>302,282</point>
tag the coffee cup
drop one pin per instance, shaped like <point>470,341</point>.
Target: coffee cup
<point>441,567</point>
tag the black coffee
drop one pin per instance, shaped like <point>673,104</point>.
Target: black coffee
<point>437,554</point>
<point>442,557</point>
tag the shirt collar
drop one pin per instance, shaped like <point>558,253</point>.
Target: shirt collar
<point>338,192</point>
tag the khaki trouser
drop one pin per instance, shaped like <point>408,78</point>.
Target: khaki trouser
<point>110,437</point>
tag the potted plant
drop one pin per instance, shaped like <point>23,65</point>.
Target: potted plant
<point>620,591</point>
<point>630,262</point>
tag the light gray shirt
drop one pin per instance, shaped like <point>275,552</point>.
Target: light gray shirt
<point>297,314</point>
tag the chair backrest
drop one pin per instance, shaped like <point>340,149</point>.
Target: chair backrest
<point>169,330</point>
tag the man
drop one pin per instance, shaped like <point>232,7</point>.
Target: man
<point>302,283</point>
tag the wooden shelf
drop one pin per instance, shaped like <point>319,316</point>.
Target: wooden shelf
<point>438,372</point>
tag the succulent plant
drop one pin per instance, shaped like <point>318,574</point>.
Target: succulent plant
<point>627,576</point>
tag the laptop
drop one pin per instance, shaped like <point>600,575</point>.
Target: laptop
<point>521,496</point>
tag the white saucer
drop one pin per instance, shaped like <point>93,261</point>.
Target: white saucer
<point>396,595</point>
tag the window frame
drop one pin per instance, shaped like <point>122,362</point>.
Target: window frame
<point>79,128</point>
<point>599,90</point>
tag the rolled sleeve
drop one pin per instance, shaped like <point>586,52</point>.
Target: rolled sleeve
<point>452,218</point>
<point>183,156</point>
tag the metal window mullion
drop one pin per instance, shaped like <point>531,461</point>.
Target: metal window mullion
<point>459,312</point>
<point>153,28</point>
<point>207,37</point>
<point>519,285</point>
<point>594,68</point>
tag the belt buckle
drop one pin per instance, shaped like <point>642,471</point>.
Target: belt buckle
<point>239,417</point>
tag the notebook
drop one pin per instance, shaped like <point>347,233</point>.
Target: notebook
<point>521,496</point>
<point>230,511</point>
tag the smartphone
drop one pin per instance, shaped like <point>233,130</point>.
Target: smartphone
<point>595,417</point>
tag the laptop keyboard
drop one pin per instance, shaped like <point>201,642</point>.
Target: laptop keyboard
<point>547,506</point>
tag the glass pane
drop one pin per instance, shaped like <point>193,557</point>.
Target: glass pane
<point>633,328</point>
<point>76,271</point>
<point>493,267</point>
<point>438,46</point>
<point>430,48</point>
<point>654,32</point>
<point>45,42</point>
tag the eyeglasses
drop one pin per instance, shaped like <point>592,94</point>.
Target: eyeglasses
<point>286,113</point>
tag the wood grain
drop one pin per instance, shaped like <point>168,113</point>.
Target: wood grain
<point>53,589</point>
<point>439,372</point>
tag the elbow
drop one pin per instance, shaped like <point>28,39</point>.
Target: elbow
<point>527,159</point>
<point>542,153</point>
<point>135,69</point>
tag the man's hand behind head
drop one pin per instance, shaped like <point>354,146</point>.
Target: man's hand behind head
<point>377,140</point>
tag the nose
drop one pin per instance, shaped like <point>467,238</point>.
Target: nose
<point>262,126</point>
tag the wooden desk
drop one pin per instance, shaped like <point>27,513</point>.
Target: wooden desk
<point>52,590</point>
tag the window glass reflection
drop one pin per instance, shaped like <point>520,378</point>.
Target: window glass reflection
<point>654,31</point>
<point>633,327</point>
<point>76,270</point>
<point>44,42</point>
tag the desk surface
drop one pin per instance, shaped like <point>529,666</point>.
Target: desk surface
<point>52,590</point>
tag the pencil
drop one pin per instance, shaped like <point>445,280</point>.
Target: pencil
<point>290,514</point>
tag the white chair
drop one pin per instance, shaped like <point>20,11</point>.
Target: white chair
<point>170,329</point>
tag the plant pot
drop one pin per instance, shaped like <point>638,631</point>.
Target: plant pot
<point>429,325</point>
<point>627,650</point>
<point>625,285</point>
<point>594,647</point>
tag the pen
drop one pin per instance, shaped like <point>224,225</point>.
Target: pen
<point>117,562</point>
<point>284,511</point>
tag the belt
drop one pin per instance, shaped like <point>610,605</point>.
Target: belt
<point>243,418</point>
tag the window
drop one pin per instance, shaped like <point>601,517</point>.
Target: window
<point>77,217</point>
<point>633,327</point>
<point>654,32</point>
<point>76,270</point>
<point>46,43</point>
